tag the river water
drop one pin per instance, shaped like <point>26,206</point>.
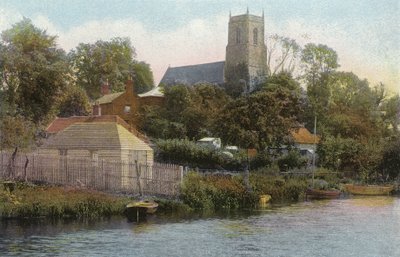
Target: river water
<point>368,226</point>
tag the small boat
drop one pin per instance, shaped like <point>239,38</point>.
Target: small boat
<point>369,189</point>
<point>322,194</point>
<point>140,209</point>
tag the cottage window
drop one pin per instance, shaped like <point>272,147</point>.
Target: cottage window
<point>127,109</point>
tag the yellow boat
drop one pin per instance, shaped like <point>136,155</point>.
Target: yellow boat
<point>139,209</point>
<point>369,189</point>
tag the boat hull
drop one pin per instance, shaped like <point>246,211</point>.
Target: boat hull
<point>139,210</point>
<point>368,189</point>
<point>322,194</point>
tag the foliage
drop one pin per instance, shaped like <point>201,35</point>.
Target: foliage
<point>188,153</point>
<point>188,112</point>
<point>390,163</point>
<point>103,62</point>
<point>57,202</point>
<point>143,77</point>
<point>74,102</point>
<point>16,132</point>
<point>33,70</point>
<point>237,78</point>
<point>260,120</point>
<point>292,160</point>
<point>282,80</point>
<point>290,189</point>
<point>215,192</point>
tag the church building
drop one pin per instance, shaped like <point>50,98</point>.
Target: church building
<point>245,49</point>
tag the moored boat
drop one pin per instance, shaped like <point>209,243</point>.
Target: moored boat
<point>322,194</point>
<point>369,189</point>
<point>139,209</point>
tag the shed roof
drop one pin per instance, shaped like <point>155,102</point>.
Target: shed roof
<point>303,136</point>
<point>105,99</point>
<point>60,124</point>
<point>189,75</point>
<point>96,136</point>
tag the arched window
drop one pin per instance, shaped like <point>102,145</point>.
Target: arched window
<point>255,36</point>
<point>238,35</point>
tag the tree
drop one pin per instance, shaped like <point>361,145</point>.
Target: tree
<point>259,120</point>
<point>103,62</point>
<point>237,77</point>
<point>390,164</point>
<point>16,132</point>
<point>74,102</point>
<point>34,71</point>
<point>282,54</point>
<point>143,77</point>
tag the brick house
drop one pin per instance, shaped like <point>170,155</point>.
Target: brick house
<point>126,104</point>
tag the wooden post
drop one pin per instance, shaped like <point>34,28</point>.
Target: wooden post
<point>138,177</point>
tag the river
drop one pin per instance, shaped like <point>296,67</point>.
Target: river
<point>367,226</point>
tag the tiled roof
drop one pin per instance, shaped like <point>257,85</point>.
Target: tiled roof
<point>303,136</point>
<point>108,98</point>
<point>96,136</point>
<point>189,75</point>
<point>60,124</point>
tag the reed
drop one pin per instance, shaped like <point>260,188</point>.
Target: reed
<point>28,201</point>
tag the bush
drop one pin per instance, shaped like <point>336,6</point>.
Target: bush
<point>188,153</point>
<point>215,192</point>
<point>291,189</point>
<point>292,160</point>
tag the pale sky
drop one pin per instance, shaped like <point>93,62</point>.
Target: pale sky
<point>364,33</point>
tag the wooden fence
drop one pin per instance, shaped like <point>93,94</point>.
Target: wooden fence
<point>102,175</point>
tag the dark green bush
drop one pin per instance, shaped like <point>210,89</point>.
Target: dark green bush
<point>188,153</point>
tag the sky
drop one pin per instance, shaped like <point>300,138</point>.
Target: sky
<point>364,33</point>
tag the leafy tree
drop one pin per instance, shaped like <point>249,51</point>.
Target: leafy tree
<point>74,102</point>
<point>390,164</point>
<point>143,77</point>
<point>16,132</point>
<point>34,71</point>
<point>282,80</point>
<point>237,77</point>
<point>103,62</point>
<point>260,120</point>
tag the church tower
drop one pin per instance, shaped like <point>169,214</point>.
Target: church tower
<point>246,48</point>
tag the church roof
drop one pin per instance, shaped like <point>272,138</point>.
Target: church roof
<point>189,75</point>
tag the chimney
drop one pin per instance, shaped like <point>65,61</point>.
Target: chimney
<point>105,88</point>
<point>97,109</point>
<point>129,86</point>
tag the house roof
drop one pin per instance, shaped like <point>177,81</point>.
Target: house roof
<point>108,98</point>
<point>60,124</point>
<point>189,75</point>
<point>303,136</point>
<point>156,92</point>
<point>96,136</point>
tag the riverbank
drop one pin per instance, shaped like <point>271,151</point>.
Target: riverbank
<point>31,201</point>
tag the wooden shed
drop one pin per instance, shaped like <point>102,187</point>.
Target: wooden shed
<point>98,141</point>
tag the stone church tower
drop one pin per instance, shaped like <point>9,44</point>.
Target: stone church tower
<point>246,47</point>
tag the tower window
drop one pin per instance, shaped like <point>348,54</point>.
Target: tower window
<point>238,35</point>
<point>255,36</point>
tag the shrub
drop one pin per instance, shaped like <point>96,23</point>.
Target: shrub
<point>215,192</point>
<point>188,153</point>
